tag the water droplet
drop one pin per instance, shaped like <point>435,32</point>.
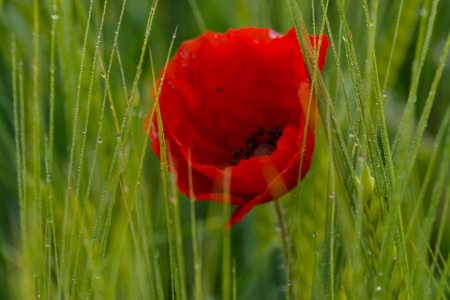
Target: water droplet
<point>313,234</point>
<point>103,75</point>
<point>99,140</point>
<point>423,12</point>
<point>378,288</point>
<point>55,17</point>
<point>118,136</point>
<point>174,35</point>
<point>384,94</point>
<point>84,131</point>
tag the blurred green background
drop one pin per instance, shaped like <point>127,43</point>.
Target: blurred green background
<point>256,246</point>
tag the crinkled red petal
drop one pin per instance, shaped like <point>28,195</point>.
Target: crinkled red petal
<point>217,90</point>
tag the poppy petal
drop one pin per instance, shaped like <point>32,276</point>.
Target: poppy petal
<point>218,91</point>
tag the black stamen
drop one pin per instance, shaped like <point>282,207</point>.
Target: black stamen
<point>260,131</point>
<point>260,142</point>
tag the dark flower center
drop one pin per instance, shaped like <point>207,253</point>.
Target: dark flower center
<point>260,142</point>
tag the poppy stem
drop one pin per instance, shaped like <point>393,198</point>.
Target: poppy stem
<point>286,247</point>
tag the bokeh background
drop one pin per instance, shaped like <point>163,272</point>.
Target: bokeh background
<point>256,248</point>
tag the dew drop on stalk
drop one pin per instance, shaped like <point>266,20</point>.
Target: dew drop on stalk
<point>99,140</point>
<point>423,12</point>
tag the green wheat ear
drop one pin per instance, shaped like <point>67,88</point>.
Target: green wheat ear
<point>372,243</point>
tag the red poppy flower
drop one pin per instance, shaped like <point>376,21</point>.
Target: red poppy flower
<point>238,101</point>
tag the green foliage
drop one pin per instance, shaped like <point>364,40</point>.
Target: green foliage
<point>88,211</point>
